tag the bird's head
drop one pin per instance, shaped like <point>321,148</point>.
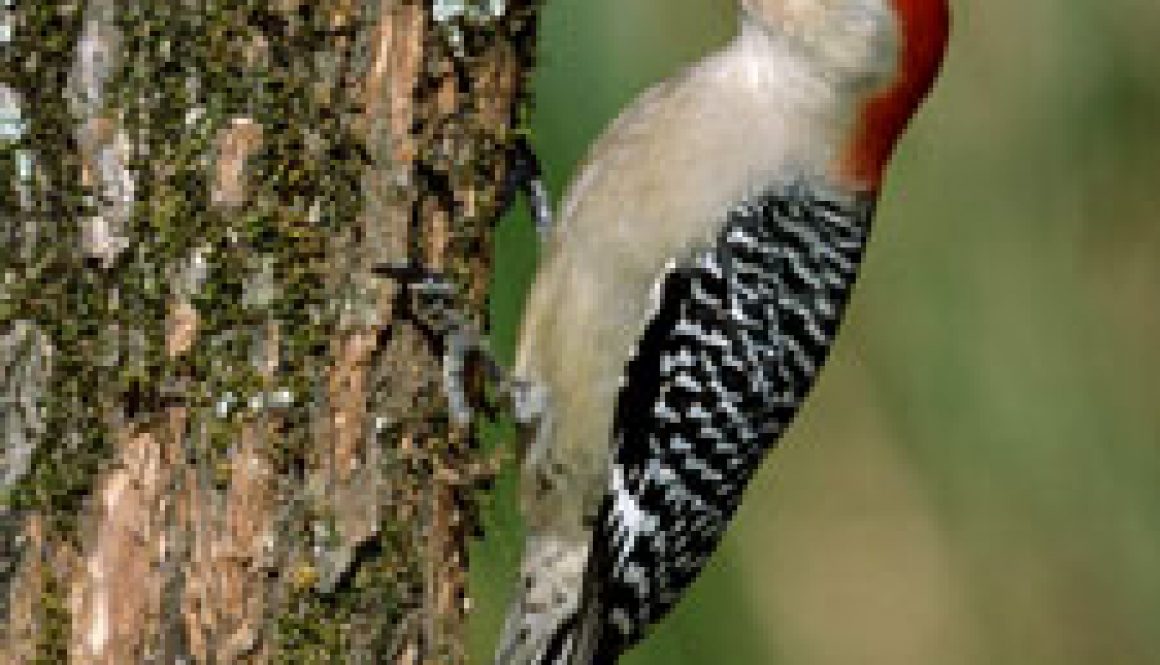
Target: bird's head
<point>887,53</point>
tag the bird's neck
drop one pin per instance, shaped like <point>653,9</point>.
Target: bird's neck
<point>867,76</point>
<point>800,112</point>
<point>883,115</point>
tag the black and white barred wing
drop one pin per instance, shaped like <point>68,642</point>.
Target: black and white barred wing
<point>737,339</point>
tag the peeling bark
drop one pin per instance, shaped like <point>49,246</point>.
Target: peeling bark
<point>224,439</point>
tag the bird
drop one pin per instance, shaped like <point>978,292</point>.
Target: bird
<point>691,286</point>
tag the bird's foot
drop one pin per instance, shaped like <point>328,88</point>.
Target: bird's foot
<point>526,176</point>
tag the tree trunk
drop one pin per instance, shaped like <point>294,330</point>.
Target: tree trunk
<point>223,438</point>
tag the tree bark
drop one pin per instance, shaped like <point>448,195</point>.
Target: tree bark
<point>224,439</point>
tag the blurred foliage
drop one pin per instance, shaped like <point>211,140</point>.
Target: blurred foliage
<point>975,481</point>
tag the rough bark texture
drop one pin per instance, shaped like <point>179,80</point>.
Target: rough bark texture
<point>222,438</point>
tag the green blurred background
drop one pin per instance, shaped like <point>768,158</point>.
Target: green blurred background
<point>976,479</point>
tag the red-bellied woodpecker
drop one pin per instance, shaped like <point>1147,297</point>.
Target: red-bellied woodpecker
<point>689,295</point>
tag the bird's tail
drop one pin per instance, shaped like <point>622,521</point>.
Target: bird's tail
<point>556,618</point>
